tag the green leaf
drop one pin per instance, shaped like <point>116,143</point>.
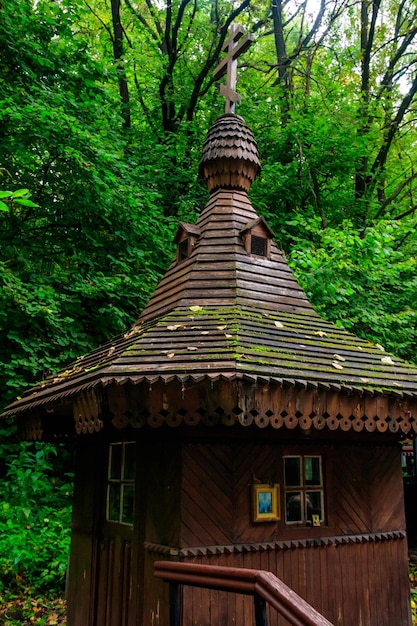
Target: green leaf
<point>19,193</point>
<point>3,206</point>
<point>25,202</point>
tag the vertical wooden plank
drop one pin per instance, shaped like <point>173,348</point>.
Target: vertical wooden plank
<point>88,469</point>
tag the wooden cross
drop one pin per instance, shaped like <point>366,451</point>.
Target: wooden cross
<point>229,64</point>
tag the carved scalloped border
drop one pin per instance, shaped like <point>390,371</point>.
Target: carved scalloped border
<point>290,544</point>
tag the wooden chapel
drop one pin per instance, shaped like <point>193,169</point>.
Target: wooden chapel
<point>231,425</point>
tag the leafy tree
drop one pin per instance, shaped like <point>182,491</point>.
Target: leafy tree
<point>78,262</point>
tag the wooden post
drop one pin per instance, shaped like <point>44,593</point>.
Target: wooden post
<point>174,604</point>
<point>261,618</point>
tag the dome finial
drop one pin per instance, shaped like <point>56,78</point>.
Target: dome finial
<point>229,65</point>
<point>230,158</point>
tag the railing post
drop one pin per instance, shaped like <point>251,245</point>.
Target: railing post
<point>261,618</point>
<point>174,604</point>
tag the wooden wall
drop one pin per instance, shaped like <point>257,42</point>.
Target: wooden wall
<point>193,503</point>
<point>358,584</point>
<point>159,506</point>
<point>84,543</point>
<point>353,568</point>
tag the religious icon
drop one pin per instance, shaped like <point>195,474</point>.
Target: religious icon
<point>265,503</point>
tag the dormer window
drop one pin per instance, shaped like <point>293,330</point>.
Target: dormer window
<point>257,238</point>
<point>186,238</point>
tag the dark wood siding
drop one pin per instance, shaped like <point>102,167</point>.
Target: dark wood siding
<point>116,602</point>
<point>159,505</point>
<point>353,569</point>
<point>89,465</point>
<point>351,584</point>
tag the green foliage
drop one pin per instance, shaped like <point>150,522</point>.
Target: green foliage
<point>35,515</point>
<point>370,279</point>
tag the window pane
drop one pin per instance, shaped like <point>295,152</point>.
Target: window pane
<point>130,462</point>
<point>312,470</point>
<point>183,250</point>
<point>113,502</point>
<point>128,504</point>
<point>293,511</point>
<point>292,466</point>
<point>314,500</point>
<point>258,245</point>
<point>115,469</point>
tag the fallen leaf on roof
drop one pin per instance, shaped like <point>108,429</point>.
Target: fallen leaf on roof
<point>221,327</point>
<point>228,336</point>
<point>279,324</point>
<point>196,308</point>
<point>365,380</point>
<point>191,348</point>
<point>320,333</point>
<point>111,350</point>
<point>338,357</point>
<point>170,355</point>
<point>387,360</point>
<point>337,365</point>
<point>205,332</point>
<point>134,331</point>
<point>173,326</point>
<point>378,345</point>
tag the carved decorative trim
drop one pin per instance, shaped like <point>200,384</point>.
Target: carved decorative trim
<point>291,544</point>
<point>159,549</point>
<point>277,407</point>
<point>86,410</point>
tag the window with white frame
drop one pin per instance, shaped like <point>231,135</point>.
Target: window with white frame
<point>303,490</point>
<point>121,482</point>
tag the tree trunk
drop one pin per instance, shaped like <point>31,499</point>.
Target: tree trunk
<point>118,57</point>
<point>282,59</point>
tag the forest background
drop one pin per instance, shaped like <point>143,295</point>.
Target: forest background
<point>104,105</point>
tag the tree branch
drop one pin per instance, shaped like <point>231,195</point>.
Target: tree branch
<point>107,28</point>
<point>382,155</point>
<point>143,21</point>
<point>395,194</point>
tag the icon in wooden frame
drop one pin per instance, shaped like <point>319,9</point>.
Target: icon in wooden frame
<point>265,503</point>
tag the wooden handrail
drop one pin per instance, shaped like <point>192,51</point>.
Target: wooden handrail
<point>259,583</point>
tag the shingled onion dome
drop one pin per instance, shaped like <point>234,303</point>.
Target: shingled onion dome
<point>230,158</point>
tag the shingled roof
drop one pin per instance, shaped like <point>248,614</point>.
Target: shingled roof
<point>225,310</point>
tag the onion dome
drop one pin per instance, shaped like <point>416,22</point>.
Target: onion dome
<point>230,158</point>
